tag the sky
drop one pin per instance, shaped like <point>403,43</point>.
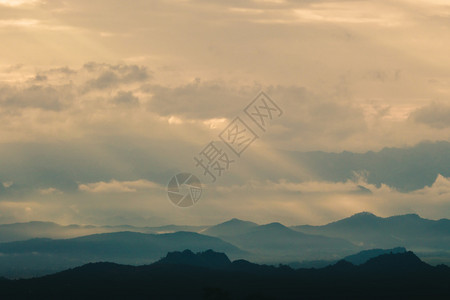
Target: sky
<point>102,102</point>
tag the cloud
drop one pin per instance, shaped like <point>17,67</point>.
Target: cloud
<point>35,96</point>
<point>319,202</point>
<point>310,200</point>
<point>440,187</point>
<point>67,135</point>
<point>125,98</point>
<point>115,186</point>
<point>17,2</point>
<point>18,23</point>
<point>307,187</point>
<point>7,184</point>
<point>143,202</point>
<point>113,75</point>
<point>436,115</point>
<point>86,99</point>
<point>49,191</point>
<point>199,99</point>
<point>406,169</point>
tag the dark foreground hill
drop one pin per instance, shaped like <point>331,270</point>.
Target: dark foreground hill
<point>356,259</point>
<point>210,275</point>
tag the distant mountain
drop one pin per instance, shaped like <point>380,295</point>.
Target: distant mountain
<point>370,231</point>
<point>311,246</point>
<point>389,276</point>
<point>36,229</point>
<point>171,229</point>
<point>24,231</point>
<point>276,242</point>
<point>230,228</point>
<point>40,256</point>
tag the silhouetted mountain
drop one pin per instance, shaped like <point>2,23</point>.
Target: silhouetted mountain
<point>171,229</point>
<point>277,242</point>
<point>363,256</point>
<point>24,231</point>
<point>389,276</point>
<point>214,260</point>
<point>229,228</point>
<point>398,262</point>
<point>342,266</point>
<point>356,259</point>
<point>370,231</point>
<point>39,256</point>
<point>209,258</point>
<point>315,246</point>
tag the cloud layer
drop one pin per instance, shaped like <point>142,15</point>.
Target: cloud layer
<point>102,102</point>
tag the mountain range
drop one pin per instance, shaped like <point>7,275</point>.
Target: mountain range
<point>37,229</point>
<point>211,275</point>
<point>42,255</point>
<point>368,231</point>
<point>49,247</point>
<point>265,240</point>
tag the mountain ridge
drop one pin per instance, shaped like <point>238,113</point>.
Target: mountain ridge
<point>386,276</point>
<point>266,243</point>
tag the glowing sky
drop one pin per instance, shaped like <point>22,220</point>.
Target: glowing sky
<point>101,102</point>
